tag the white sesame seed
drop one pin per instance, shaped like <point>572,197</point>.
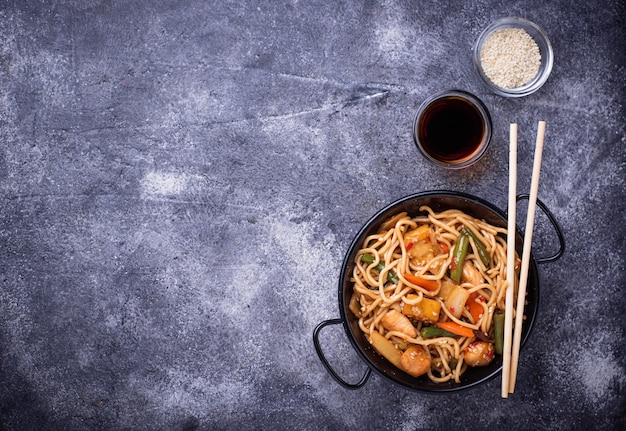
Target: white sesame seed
<point>510,57</point>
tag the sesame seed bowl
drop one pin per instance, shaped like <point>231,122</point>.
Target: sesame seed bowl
<point>513,57</point>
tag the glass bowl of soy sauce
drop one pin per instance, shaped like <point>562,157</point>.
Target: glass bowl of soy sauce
<point>452,129</point>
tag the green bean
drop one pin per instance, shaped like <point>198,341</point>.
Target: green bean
<point>480,247</point>
<point>498,331</point>
<point>453,362</point>
<point>458,257</point>
<point>433,331</point>
<point>391,275</point>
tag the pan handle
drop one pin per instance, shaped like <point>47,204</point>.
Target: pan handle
<point>329,368</point>
<point>555,225</point>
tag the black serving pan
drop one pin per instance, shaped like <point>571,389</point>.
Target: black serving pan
<point>438,201</point>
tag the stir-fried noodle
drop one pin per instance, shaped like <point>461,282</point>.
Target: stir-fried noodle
<point>412,280</point>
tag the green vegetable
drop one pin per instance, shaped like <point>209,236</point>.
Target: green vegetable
<point>458,257</point>
<point>434,331</point>
<point>481,250</point>
<point>391,276</point>
<point>453,362</point>
<point>498,331</point>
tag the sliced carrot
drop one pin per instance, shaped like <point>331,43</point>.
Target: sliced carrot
<point>457,329</point>
<point>430,285</point>
<point>475,309</point>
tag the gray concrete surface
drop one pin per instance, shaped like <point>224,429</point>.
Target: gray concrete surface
<point>179,182</point>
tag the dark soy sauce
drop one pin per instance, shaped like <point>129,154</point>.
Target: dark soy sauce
<point>451,129</point>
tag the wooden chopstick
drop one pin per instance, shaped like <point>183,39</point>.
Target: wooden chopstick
<point>510,262</point>
<point>528,234</point>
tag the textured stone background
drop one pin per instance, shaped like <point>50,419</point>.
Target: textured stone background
<point>179,182</point>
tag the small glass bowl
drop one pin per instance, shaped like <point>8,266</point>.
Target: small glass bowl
<point>463,114</point>
<point>545,49</point>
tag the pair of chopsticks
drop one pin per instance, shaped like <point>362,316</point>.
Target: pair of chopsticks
<point>512,341</point>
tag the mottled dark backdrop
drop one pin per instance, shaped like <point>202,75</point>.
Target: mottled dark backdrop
<point>179,182</point>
